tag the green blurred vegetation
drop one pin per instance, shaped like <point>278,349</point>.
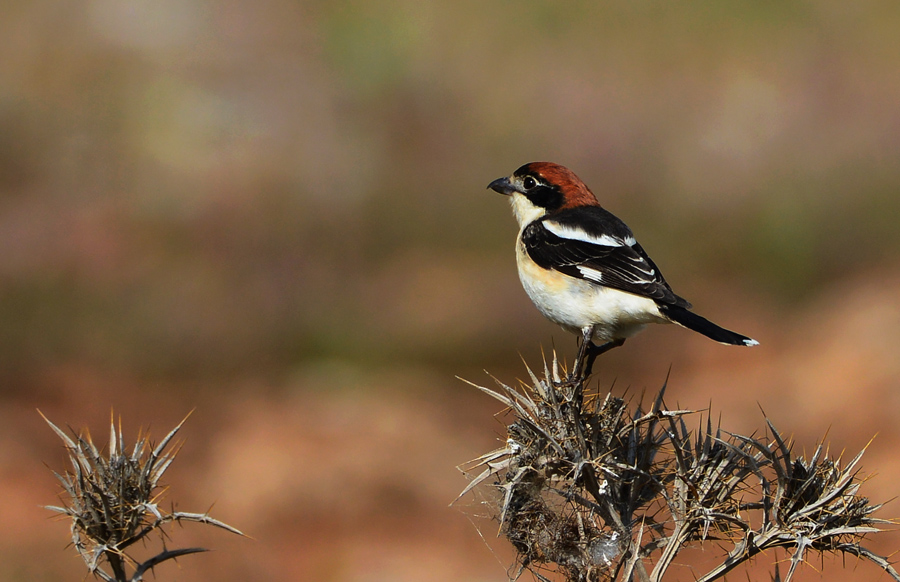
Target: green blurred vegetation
<point>223,187</point>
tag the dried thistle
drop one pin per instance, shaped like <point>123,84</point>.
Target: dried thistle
<point>113,501</point>
<point>598,491</point>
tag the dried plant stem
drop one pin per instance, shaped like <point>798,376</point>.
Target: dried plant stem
<point>600,493</point>
<point>113,500</point>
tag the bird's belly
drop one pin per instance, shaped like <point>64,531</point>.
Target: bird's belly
<point>575,304</point>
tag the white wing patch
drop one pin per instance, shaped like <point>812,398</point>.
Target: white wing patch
<point>589,273</point>
<point>574,233</point>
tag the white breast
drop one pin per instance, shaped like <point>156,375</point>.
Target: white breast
<point>575,303</point>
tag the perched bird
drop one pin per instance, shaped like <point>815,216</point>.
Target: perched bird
<point>583,269</point>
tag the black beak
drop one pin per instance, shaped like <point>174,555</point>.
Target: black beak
<point>502,185</point>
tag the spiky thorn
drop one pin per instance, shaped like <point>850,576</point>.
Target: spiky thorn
<point>806,505</point>
<point>113,501</point>
<point>598,492</point>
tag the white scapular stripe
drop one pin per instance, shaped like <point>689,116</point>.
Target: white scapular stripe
<point>574,233</point>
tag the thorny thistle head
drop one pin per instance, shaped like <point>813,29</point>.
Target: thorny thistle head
<point>113,500</point>
<point>599,490</point>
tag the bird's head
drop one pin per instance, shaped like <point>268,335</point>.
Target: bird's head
<point>539,188</point>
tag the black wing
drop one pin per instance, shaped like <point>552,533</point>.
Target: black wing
<point>592,244</point>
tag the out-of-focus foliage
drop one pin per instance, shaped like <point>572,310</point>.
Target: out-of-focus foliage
<point>193,188</point>
<point>275,212</point>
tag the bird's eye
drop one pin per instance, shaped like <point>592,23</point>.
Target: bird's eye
<point>528,183</point>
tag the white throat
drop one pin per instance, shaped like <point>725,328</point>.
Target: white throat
<point>524,211</point>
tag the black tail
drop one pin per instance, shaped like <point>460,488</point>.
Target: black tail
<point>691,320</point>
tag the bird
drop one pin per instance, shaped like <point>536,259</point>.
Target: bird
<point>583,269</point>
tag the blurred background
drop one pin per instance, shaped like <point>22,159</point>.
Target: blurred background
<point>274,213</point>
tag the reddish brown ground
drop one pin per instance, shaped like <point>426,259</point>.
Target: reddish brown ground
<point>345,474</point>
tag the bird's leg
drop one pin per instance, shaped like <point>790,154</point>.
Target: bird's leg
<point>596,350</point>
<point>588,352</point>
<point>586,346</point>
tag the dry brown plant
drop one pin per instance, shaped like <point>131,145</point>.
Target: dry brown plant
<point>113,501</point>
<point>598,490</point>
